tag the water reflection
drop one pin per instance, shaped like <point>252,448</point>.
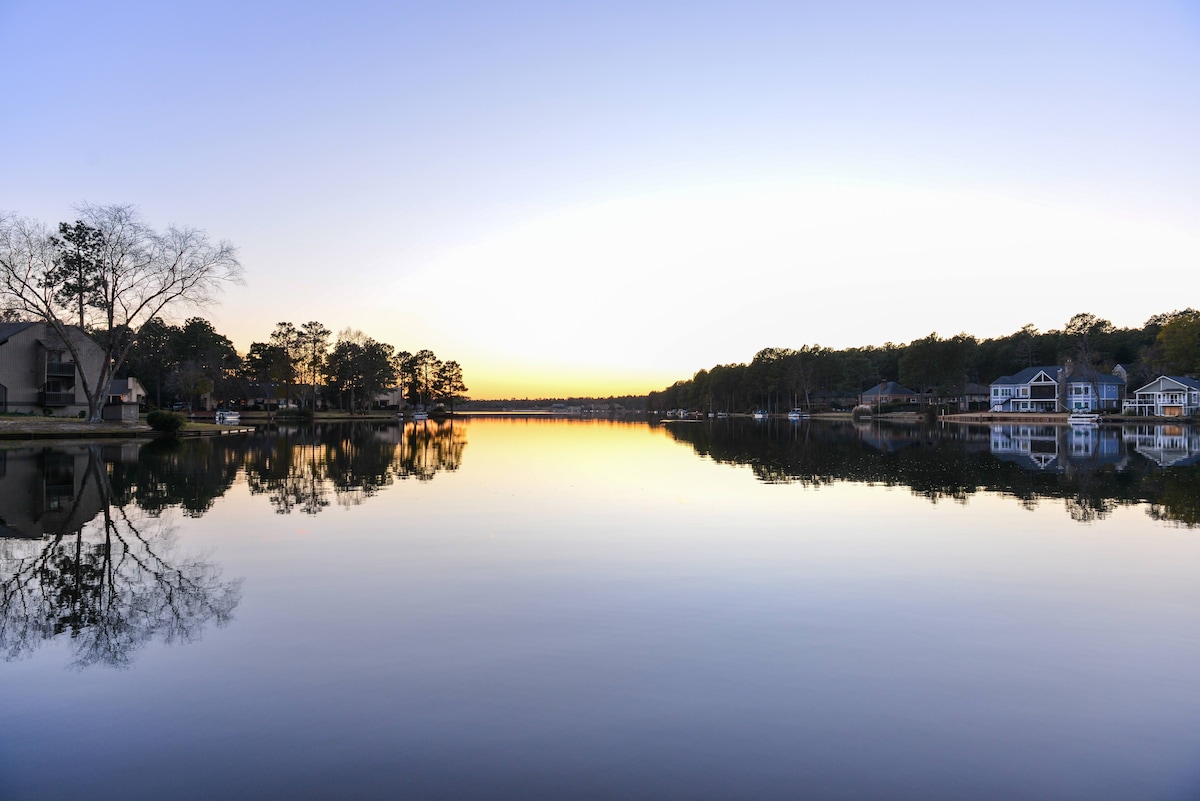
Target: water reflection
<point>87,552</point>
<point>302,469</point>
<point>78,561</point>
<point>1094,470</point>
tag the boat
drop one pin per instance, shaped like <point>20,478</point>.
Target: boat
<point>1083,419</point>
<point>797,414</point>
<point>224,417</point>
<point>759,414</point>
<point>420,415</point>
<point>722,415</point>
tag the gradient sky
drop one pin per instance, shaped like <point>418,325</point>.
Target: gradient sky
<point>601,198</point>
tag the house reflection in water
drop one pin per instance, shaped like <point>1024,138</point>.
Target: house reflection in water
<point>1057,448</point>
<point>47,493</point>
<point>1167,445</point>
<point>76,563</point>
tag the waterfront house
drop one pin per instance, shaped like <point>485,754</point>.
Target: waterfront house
<point>1034,389</point>
<point>37,372</point>
<point>1056,389</point>
<point>1166,396</point>
<point>887,392</point>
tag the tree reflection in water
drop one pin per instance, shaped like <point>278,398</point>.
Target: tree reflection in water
<point>111,585</point>
<point>1092,473</point>
<point>305,469</point>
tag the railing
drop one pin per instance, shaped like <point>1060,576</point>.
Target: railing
<point>60,369</point>
<point>56,398</point>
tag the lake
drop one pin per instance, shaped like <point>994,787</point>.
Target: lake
<point>529,608</point>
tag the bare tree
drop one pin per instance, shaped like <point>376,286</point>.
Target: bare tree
<point>131,275</point>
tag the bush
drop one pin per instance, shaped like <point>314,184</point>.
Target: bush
<point>167,422</point>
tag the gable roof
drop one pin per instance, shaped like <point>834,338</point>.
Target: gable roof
<point>8,329</point>
<point>1026,375</point>
<point>1029,373</point>
<point>1191,383</point>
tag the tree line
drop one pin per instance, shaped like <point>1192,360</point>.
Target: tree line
<point>946,464</point>
<point>815,376</point>
<point>114,276</point>
<point>108,273</point>
<point>301,366</point>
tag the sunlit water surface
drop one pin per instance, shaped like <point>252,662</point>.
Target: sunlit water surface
<point>523,609</point>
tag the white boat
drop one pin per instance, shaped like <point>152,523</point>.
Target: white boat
<point>1083,419</point>
<point>226,418</point>
<point>759,414</point>
<point>722,415</point>
<point>420,414</point>
<point>797,414</point>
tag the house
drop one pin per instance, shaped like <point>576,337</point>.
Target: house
<point>887,392</point>
<point>37,373</point>
<point>973,397</point>
<point>1056,389</point>
<point>1092,391</point>
<point>1166,396</point>
<point>127,390</point>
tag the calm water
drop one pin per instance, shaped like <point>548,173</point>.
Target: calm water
<point>527,609</point>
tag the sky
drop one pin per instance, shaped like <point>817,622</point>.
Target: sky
<point>582,198</point>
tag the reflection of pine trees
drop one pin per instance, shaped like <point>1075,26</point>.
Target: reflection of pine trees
<point>189,475</point>
<point>941,464</point>
<point>1178,497</point>
<point>111,586</point>
<point>425,448</point>
<point>304,469</point>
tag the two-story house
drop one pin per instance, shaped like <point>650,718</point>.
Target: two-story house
<point>1057,389</point>
<point>1167,396</point>
<point>37,373</point>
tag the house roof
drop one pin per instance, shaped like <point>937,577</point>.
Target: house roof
<point>1191,383</point>
<point>888,388</point>
<point>119,386</point>
<point>8,329</point>
<point>1027,375</point>
<point>1099,378</point>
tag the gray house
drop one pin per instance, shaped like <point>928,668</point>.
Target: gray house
<point>37,373</point>
<point>888,392</point>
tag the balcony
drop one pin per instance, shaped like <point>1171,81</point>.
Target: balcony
<point>60,369</point>
<point>56,398</point>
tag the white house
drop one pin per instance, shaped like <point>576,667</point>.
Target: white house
<point>1167,396</point>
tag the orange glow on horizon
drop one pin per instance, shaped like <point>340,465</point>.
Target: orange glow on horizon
<point>491,384</point>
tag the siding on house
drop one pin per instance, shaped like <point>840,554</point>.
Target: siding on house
<point>1056,389</point>
<point>1167,396</point>
<point>37,373</point>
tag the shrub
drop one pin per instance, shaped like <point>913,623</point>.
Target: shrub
<point>167,422</point>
